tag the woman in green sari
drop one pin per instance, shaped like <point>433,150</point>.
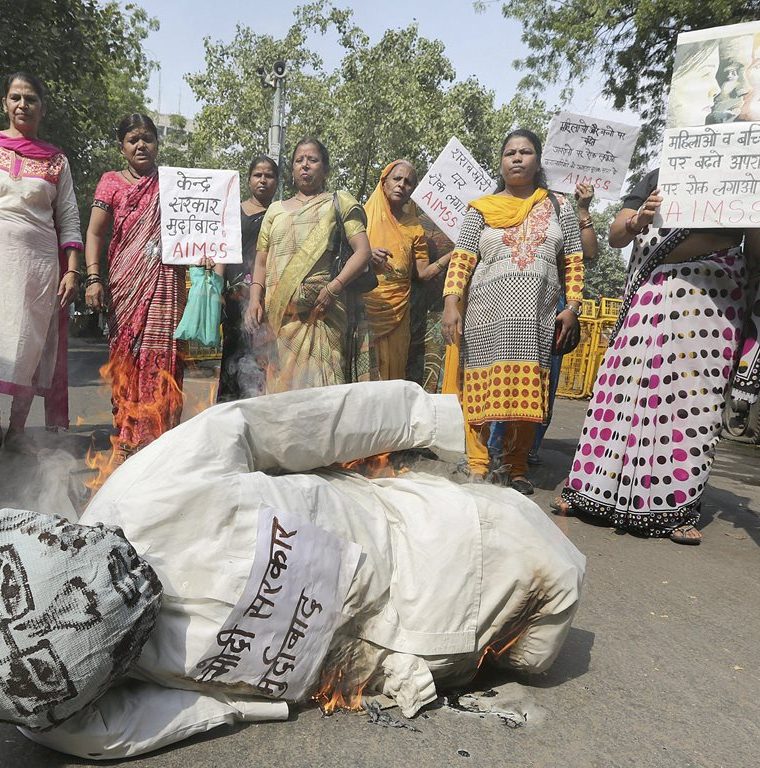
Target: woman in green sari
<point>292,290</point>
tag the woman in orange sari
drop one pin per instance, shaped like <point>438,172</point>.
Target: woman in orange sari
<point>399,252</point>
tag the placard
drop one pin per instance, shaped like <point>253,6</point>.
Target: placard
<point>200,215</point>
<point>451,182</point>
<point>710,163</point>
<point>582,149</point>
<point>278,634</point>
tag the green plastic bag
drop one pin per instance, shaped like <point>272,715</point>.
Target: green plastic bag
<point>203,313</point>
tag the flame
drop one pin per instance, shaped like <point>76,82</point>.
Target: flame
<point>496,649</point>
<point>135,418</point>
<point>372,467</point>
<point>337,693</point>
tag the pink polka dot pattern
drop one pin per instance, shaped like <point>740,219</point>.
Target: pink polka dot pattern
<point>647,444</point>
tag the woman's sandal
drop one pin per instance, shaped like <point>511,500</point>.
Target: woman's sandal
<point>522,485</point>
<point>681,535</point>
<point>560,507</point>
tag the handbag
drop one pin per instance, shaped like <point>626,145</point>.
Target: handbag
<point>367,280</point>
<point>202,316</point>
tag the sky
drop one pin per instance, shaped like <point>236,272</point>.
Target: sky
<point>481,44</point>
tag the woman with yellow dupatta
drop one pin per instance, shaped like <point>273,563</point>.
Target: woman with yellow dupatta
<point>399,253</point>
<point>514,248</point>
<point>292,290</point>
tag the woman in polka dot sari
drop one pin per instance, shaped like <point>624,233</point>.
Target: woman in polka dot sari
<point>654,419</point>
<point>513,250</point>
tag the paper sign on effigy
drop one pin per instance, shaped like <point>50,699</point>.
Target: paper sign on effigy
<point>710,163</point>
<point>200,215</point>
<point>452,181</point>
<point>278,634</point>
<point>581,149</point>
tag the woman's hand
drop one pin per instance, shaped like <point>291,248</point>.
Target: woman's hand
<point>254,314</point>
<point>379,259</point>
<point>207,263</point>
<point>565,325</point>
<point>451,322</point>
<point>68,288</point>
<point>645,215</point>
<point>95,297</point>
<point>584,194</point>
<point>326,297</point>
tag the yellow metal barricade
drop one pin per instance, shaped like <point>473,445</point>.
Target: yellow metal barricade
<point>579,368</point>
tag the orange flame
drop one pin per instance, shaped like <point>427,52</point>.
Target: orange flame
<point>337,693</point>
<point>150,416</point>
<point>372,467</point>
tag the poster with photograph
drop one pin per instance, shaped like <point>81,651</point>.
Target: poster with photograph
<point>200,215</point>
<point>583,150</point>
<point>710,163</point>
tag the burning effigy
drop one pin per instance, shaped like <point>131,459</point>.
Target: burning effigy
<point>287,577</point>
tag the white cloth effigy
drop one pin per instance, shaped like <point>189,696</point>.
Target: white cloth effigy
<point>446,569</point>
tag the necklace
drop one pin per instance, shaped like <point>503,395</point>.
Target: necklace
<point>303,199</point>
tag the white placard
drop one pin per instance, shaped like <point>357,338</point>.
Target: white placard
<point>582,149</point>
<point>200,215</point>
<point>277,635</point>
<point>451,182</point>
<point>710,162</point>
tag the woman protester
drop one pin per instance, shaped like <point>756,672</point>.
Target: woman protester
<point>514,249</point>
<point>38,219</point>
<point>145,297</point>
<point>427,349</point>
<point>650,433</point>
<point>241,375</point>
<point>399,255</point>
<point>305,300</point>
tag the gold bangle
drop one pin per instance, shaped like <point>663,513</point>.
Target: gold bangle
<point>327,288</point>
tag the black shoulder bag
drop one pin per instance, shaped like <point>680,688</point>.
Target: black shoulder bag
<point>342,252</point>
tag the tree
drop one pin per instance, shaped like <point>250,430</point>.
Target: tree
<point>394,99</point>
<point>606,276</point>
<point>630,41</point>
<point>90,57</point>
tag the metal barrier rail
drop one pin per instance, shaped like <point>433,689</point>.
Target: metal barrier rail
<point>579,368</point>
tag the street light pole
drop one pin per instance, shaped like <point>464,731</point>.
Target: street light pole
<point>276,80</point>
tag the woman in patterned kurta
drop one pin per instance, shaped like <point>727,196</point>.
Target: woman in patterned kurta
<point>514,248</point>
<point>38,217</point>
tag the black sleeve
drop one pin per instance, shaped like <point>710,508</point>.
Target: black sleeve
<point>636,197</point>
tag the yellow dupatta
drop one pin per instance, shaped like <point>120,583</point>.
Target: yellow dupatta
<point>388,303</point>
<point>504,211</point>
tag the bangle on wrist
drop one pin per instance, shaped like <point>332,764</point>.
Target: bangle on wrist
<point>73,272</point>
<point>256,282</point>
<point>330,291</point>
<point>340,282</point>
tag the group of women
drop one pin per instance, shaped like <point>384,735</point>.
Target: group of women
<point>304,309</point>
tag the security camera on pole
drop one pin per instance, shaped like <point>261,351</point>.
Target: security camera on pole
<point>276,80</point>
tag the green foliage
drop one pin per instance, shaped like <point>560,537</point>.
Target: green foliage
<point>606,275</point>
<point>90,56</point>
<point>630,41</point>
<point>397,98</point>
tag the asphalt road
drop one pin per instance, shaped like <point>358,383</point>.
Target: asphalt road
<point>661,668</point>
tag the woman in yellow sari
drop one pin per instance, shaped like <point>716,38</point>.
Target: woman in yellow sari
<point>399,252</point>
<point>307,310</point>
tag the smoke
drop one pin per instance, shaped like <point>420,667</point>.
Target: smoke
<point>44,482</point>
